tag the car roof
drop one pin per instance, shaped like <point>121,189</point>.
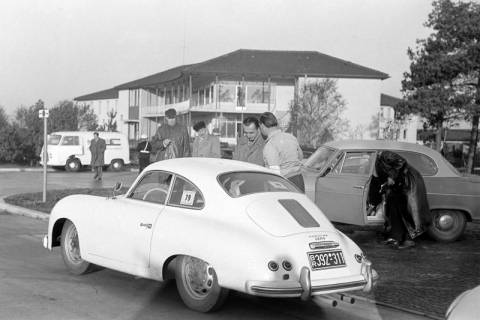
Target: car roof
<point>200,167</point>
<point>382,144</point>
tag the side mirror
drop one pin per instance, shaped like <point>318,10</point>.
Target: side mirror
<point>116,188</point>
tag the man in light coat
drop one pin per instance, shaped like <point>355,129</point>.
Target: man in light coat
<point>97,149</point>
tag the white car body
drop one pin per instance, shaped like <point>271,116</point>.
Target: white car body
<point>236,236</point>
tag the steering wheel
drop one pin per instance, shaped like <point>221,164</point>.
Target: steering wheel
<point>156,198</point>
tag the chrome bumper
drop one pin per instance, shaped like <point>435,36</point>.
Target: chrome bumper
<point>304,288</point>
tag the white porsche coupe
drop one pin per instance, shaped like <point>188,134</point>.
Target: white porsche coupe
<point>220,224</point>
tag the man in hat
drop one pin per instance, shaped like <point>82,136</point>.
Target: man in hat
<point>143,149</point>
<point>97,149</point>
<point>171,140</point>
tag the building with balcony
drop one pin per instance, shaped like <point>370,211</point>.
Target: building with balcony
<point>224,90</point>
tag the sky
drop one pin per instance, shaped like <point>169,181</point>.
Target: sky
<point>60,49</point>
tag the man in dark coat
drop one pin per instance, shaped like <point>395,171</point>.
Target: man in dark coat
<point>171,140</point>
<point>250,147</point>
<point>97,149</point>
<point>143,148</point>
<point>406,205</point>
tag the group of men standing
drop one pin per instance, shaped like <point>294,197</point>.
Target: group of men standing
<point>263,144</point>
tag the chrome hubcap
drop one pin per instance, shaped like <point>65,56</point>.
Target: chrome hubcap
<point>198,277</point>
<point>445,222</point>
<point>72,165</point>
<point>72,246</point>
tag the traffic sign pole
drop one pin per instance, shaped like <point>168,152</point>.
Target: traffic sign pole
<point>44,114</point>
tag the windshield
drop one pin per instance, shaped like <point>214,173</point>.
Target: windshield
<point>54,139</point>
<point>238,184</point>
<point>320,158</point>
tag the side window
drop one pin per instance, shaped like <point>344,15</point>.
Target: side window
<point>185,194</point>
<point>424,164</point>
<point>337,163</point>
<point>357,163</point>
<point>114,142</point>
<point>70,141</point>
<point>153,187</point>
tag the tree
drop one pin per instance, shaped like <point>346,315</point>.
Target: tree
<point>6,148</point>
<point>29,133</point>
<point>63,117</point>
<point>316,116</point>
<point>111,124</point>
<point>444,79</point>
<point>87,119</point>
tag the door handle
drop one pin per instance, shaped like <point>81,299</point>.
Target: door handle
<point>146,225</point>
<point>359,187</point>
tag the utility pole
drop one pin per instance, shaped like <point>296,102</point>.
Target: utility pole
<point>43,113</point>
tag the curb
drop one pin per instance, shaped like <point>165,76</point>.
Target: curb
<point>25,170</point>
<point>21,211</point>
<point>392,306</point>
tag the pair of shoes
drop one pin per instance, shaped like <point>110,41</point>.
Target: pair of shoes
<point>390,241</point>
<point>407,244</point>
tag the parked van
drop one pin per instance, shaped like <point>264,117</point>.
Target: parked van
<point>70,149</point>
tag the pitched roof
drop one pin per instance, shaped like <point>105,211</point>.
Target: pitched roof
<point>99,95</point>
<point>266,63</point>
<point>389,101</point>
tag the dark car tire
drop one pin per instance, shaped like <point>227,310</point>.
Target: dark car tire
<point>70,247</point>
<point>73,165</point>
<point>197,284</point>
<point>447,225</point>
<point>117,165</point>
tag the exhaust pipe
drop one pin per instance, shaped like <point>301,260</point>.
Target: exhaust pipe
<point>346,298</point>
<point>327,299</point>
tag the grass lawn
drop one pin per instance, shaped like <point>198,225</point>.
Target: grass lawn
<point>34,200</point>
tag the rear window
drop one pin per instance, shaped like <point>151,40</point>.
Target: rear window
<point>114,142</point>
<point>424,164</point>
<point>238,184</point>
<point>54,139</point>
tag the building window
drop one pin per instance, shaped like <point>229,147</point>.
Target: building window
<point>227,93</point>
<point>258,93</point>
<point>134,98</point>
<point>227,128</point>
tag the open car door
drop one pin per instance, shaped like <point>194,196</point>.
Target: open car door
<point>341,193</point>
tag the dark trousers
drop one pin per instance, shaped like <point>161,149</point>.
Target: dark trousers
<point>298,181</point>
<point>395,207</point>
<point>97,170</point>
<point>143,162</point>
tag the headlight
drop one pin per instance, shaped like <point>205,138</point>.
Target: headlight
<point>273,266</point>
<point>286,265</point>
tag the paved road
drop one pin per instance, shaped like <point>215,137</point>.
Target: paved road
<point>22,182</point>
<point>35,285</point>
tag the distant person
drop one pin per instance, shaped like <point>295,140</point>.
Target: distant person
<point>281,153</point>
<point>250,147</point>
<point>407,213</point>
<point>143,149</point>
<point>171,140</point>
<point>205,145</point>
<point>97,149</point>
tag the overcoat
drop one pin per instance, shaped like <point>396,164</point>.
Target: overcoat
<point>408,181</point>
<point>97,149</point>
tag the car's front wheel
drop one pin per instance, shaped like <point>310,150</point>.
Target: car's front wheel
<point>70,246</point>
<point>117,165</point>
<point>447,225</point>
<point>197,284</point>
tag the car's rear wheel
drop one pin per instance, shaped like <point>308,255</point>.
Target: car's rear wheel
<point>447,225</point>
<point>70,245</point>
<point>117,165</point>
<point>73,165</point>
<point>197,284</point>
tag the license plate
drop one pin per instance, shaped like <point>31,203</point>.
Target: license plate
<point>326,260</point>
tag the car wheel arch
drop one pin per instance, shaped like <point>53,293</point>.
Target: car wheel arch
<point>465,212</point>
<point>57,231</point>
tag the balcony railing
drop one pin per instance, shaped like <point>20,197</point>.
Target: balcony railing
<point>184,106</point>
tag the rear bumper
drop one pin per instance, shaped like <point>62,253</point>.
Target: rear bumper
<point>304,288</point>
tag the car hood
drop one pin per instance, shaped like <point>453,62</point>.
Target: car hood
<point>282,216</point>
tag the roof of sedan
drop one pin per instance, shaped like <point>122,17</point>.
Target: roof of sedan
<point>195,167</point>
<point>381,144</point>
